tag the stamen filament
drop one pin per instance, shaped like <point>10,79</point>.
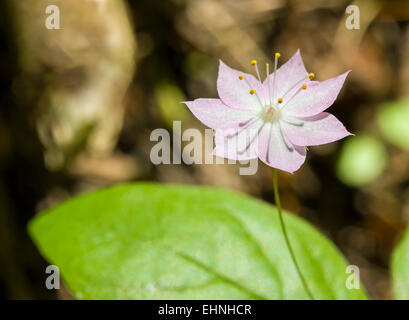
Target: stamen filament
<point>287,144</point>
<point>268,83</point>
<point>258,98</point>
<point>255,65</point>
<point>294,123</point>
<point>268,145</point>
<point>311,76</point>
<point>252,140</point>
<point>257,72</point>
<point>295,85</point>
<point>303,87</point>
<point>276,56</point>
<point>243,125</point>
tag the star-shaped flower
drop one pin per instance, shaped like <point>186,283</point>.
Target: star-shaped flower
<point>274,119</point>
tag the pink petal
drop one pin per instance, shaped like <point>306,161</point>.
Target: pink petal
<point>275,152</point>
<point>235,92</point>
<point>214,113</point>
<point>289,76</point>
<point>235,143</point>
<point>319,129</point>
<point>316,98</point>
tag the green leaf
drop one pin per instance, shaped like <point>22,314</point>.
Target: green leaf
<point>362,159</point>
<point>400,268</point>
<point>148,241</point>
<point>393,119</point>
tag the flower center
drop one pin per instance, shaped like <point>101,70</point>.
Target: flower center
<point>270,114</point>
<point>272,108</point>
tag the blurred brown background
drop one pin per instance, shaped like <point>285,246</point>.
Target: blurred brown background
<point>78,104</point>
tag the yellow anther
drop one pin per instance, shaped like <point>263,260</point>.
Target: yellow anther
<point>278,54</point>
<point>311,76</point>
<point>253,62</point>
<point>304,86</point>
<point>280,100</point>
<point>241,77</point>
<point>252,91</point>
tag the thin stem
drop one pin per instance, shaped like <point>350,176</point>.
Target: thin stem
<point>287,240</point>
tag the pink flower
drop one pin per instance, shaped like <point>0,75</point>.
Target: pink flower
<point>275,119</point>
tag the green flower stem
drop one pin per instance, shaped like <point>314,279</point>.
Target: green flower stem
<point>287,240</point>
